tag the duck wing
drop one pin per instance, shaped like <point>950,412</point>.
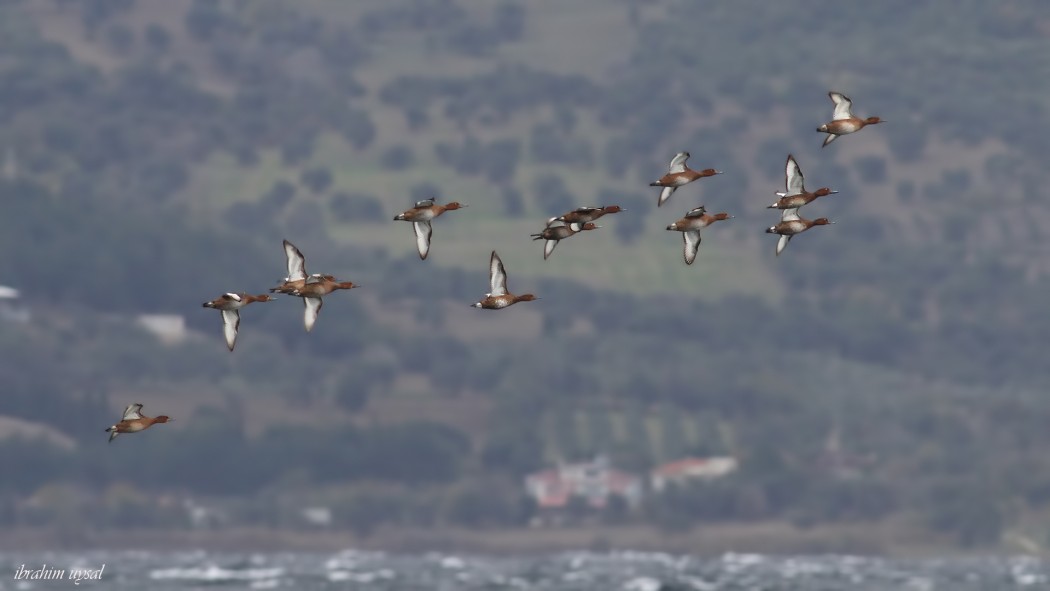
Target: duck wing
<point>794,182</point>
<point>497,276</point>
<point>423,233</point>
<point>296,262</point>
<point>311,308</point>
<point>677,164</point>
<point>133,411</point>
<point>843,105</point>
<point>690,245</point>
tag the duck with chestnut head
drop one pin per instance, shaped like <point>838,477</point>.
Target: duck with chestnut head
<point>134,421</point>
<point>679,174</point>
<point>843,121</point>
<point>421,215</point>
<point>790,225</point>
<point>498,296</point>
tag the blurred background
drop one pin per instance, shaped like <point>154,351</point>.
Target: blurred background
<point>880,387</point>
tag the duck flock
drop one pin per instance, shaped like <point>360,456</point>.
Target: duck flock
<point>312,288</point>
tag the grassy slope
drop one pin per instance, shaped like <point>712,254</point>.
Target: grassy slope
<point>735,257</point>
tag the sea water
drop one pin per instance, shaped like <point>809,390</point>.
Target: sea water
<point>582,571</point>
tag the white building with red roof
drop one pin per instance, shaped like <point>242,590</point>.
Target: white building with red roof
<point>595,482</point>
<point>689,468</point>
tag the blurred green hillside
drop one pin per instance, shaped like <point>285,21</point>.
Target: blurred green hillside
<point>155,153</point>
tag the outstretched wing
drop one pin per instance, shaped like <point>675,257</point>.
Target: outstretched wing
<point>691,243</point>
<point>312,307</point>
<point>133,411</point>
<point>425,202</point>
<point>696,212</point>
<point>497,276</point>
<point>548,248</point>
<point>423,232</point>
<point>678,163</point>
<point>782,243</point>
<point>296,262</point>
<point>665,194</point>
<point>831,137</point>
<point>231,321</point>
<point>843,105</point>
<point>794,183</point>
<point>789,215</point>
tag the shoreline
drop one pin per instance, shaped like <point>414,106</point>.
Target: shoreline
<point>884,539</point>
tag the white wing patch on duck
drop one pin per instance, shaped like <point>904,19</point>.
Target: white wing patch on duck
<point>423,233</point>
<point>843,106</point>
<point>678,163</point>
<point>295,261</point>
<point>133,411</point>
<point>794,182</point>
<point>690,244</point>
<point>548,248</point>
<point>231,321</point>
<point>497,276</point>
<point>312,307</point>
<point>665,194</point>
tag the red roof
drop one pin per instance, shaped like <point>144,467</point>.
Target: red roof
<point>678,467</point>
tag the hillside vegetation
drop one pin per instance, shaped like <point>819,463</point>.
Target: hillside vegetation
<point>156,153</point>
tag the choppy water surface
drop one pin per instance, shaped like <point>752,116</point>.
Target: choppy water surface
<point>617,571</point>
